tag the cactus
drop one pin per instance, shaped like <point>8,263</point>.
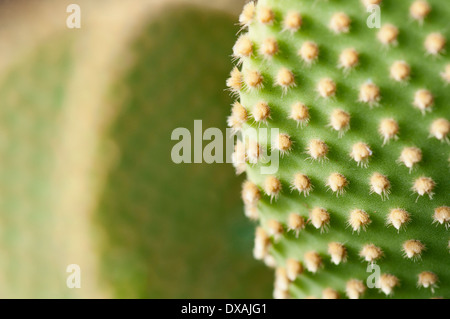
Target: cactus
<point>141,240</point>
<point>32,92</point>
<point>363,117</point>
<point>153,212</point>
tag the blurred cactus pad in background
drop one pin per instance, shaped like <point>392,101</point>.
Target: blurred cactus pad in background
<point>363,114</point>
<point>86,117</point>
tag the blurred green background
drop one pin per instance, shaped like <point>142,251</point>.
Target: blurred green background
<point>86,178</point>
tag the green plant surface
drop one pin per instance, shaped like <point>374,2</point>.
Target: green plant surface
<point>168,233</point>
<point>174,230</point>
<point>375,61</point>
<point>32,94</point>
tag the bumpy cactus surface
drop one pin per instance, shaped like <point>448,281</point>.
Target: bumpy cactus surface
<point>363,117</point>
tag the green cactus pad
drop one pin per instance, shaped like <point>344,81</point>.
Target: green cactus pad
<point>32,94</point>
<point>168,232</point>
<point>173,230</point>
<point>387,91</point>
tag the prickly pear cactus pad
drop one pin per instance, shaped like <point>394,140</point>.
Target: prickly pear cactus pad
<point>359,206</point>
<point>32,93</point>
<point>166,224</point>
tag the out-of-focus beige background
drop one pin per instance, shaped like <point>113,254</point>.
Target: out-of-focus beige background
<point>85,171</point>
